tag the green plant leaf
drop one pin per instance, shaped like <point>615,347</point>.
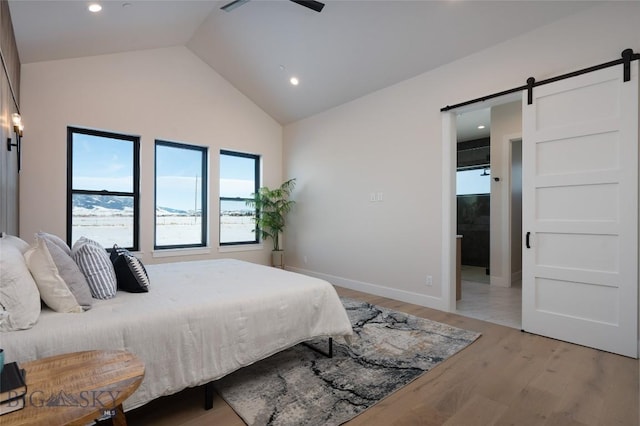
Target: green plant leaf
<point>272,206</point>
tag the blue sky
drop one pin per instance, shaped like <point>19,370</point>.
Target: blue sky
<point>104,163</point>
<point>179,178</point>
<point>236,176</point>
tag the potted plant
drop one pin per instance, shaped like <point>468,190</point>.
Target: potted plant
<point>272,206</point>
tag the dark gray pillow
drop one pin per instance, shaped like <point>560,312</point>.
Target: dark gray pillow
<point>55,240</point>
<point>130,272</point>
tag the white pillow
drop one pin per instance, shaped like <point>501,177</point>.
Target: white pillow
<point>53,289</point>
<point>96,266</point>
<point>18,243</point>
<point>67,269</point>
<point>18,292</point>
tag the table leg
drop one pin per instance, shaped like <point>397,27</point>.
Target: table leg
<point>119,419</point>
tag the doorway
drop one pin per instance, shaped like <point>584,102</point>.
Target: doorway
<point>473,193</point>
<point>491,273</point>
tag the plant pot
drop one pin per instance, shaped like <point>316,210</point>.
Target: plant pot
<point>277,258</point>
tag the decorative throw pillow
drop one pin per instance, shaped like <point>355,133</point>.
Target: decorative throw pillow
<point>53,289</point>
<point>94,263</point>
<point>130,272</point>
<point>55,240</point>
<point>18,291</point>
<point>66,268</point>
<point>17,242</point>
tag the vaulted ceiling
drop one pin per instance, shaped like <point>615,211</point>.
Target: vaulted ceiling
<point>348,50</point>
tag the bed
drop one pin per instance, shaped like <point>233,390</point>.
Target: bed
<point>200,321</point>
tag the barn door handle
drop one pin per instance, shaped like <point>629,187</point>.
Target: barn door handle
<point>527,238</point>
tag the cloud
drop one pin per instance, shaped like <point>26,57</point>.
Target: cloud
<point>236,188</point>
<point>116,184</point>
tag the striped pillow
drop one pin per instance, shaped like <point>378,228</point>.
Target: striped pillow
<point>130,272</point>
<point>93,261</point>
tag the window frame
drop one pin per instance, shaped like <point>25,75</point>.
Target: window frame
<point>204,192</point>
<point>71,130</point>
<point>256,184</point>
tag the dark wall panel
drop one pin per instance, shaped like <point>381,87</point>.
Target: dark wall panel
<point>9,103</point>
<point>473,225</point>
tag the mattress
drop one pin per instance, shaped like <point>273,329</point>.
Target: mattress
<point>200,321</point>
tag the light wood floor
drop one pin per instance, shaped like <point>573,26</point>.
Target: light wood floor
<point>505,378</point>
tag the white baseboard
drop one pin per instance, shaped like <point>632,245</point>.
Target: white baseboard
<point>501,282</point>
<point>391,293</point>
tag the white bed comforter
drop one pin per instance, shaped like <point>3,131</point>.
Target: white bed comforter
<point>200,321</point>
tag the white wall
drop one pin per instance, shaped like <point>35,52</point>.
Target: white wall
<point>390,142</point>
<point>167,94</point>
<point>506,124</point>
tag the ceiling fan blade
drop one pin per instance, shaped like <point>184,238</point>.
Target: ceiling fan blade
<point>235,3</point>
<point>311,4</point>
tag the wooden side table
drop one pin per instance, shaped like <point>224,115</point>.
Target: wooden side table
<point>77,388</point>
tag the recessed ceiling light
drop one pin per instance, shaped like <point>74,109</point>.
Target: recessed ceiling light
<point>95,7</point>
<point>481,127</point>
<point>294,81</point>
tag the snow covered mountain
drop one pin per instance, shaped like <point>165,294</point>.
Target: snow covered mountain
<point>108,205</point>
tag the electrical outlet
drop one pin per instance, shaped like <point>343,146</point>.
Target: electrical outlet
<point>305,260</point>
<point>372,197</point>
<point>429,281</point>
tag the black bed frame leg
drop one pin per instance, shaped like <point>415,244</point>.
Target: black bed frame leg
<point>328,354</point>
<point>208,396</point>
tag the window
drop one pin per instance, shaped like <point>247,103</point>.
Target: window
<point>181,195</point>
<point>239,180</point>
<point>103,197</point>
<point>473,181</point>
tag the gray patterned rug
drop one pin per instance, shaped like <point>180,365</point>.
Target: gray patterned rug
<point>298,386</point>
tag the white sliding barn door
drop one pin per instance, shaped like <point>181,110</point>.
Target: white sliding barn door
<point>580,209</point>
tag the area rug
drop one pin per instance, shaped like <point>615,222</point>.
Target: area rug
<point>299,386</point>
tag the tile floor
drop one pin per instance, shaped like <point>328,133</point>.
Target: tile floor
<point>500,305</point>
<point>475,273</point>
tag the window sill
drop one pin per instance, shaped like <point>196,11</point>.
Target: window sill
<point>240,247</point>
<point>180,252</point>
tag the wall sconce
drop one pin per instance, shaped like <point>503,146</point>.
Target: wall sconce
<point>18,128</point>
<point>17,123</point>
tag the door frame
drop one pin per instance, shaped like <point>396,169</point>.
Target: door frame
<point>510,140</point>
<point>449,211</point>
<point>507,240</point>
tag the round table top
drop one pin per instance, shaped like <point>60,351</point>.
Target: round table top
<point>76,387</point>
